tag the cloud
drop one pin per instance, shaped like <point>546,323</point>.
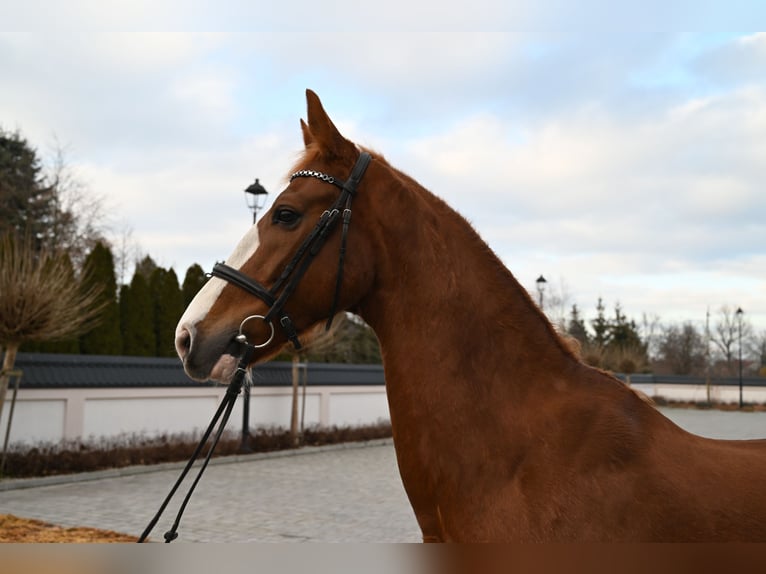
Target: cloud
<point>737,62</point>
<point>115,92</point>
<point>618,205</point>
<point>617,161</point>
<point>692,174</point>
<point>198,195</point>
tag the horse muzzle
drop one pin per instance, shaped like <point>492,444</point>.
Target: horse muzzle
<point>207,358</point>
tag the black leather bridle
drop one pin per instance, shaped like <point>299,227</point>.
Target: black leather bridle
<point>276,297</point>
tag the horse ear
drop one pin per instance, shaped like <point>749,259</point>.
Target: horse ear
<point>323,131</point>
<point>308,138</point>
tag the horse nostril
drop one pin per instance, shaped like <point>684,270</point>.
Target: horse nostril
<point>183,342</point>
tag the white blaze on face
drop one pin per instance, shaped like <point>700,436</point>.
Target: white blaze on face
<point>208,295</point>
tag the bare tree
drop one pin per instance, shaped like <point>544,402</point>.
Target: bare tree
<point>126,253</point>
<point>40,300</point>
<point>681,350</point>
<point>650,331</point>
<point>79,219</point>
<point>726,334</point>
<point>557,303</point>
<point>757,350</point>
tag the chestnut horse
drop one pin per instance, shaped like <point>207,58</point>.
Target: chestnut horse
<point>501,432</point>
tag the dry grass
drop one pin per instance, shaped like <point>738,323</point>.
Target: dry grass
<point>15,529</point>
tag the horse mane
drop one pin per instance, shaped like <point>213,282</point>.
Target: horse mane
<point>567,344</point>
<point>501,270</point>
<point>564,342</point>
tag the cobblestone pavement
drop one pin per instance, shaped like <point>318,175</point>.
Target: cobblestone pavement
<point>333,495</point>
<point>351,494</point>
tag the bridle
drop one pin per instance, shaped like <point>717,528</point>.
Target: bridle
<point>276,297</point>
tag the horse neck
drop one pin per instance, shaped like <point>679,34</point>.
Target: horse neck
<point>444,300</point>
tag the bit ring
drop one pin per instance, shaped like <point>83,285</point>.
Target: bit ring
<point>241,336</point>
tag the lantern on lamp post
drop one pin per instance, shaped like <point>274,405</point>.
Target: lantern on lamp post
<point>255,197</point>
<point>541,282</point>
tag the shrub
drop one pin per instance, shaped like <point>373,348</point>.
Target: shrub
<point>45,459</point>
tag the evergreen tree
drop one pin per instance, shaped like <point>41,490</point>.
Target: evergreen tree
<point>168,308</point>
<point>137,318</point>
<point>27,204</point>
<point>146,267</point>
<point>627,353</point>
<point>193,281</point>
<point>600,326</point>
<point>576,327</point>
<point>106,338</point>
<point>623,334</point>
<point>45,204</point>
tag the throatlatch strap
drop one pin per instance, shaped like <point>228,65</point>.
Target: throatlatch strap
<point>357,173</point>
<point>349,187</point>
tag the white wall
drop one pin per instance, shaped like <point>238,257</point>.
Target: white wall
<point>50,415</point>
<point>698,393</point>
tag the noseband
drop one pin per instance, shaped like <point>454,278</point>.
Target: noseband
<point>276,296</point>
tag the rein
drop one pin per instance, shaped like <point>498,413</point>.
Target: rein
<point>223,413</point>
<point>276,296</point>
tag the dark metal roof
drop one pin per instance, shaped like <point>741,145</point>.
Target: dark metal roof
<point>644,378</point>
<point>53,371</point>
<point>47,371</point>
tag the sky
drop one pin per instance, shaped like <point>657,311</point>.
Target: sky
<point>618,163</point>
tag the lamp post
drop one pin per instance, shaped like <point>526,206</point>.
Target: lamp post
<point>255,197</point>
<point>740,312</point>
<point>540,289</point>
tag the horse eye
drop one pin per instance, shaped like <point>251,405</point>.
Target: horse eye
<point>286,216</point>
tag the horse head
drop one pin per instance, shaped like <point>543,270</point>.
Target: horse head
<point>290,271</point>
